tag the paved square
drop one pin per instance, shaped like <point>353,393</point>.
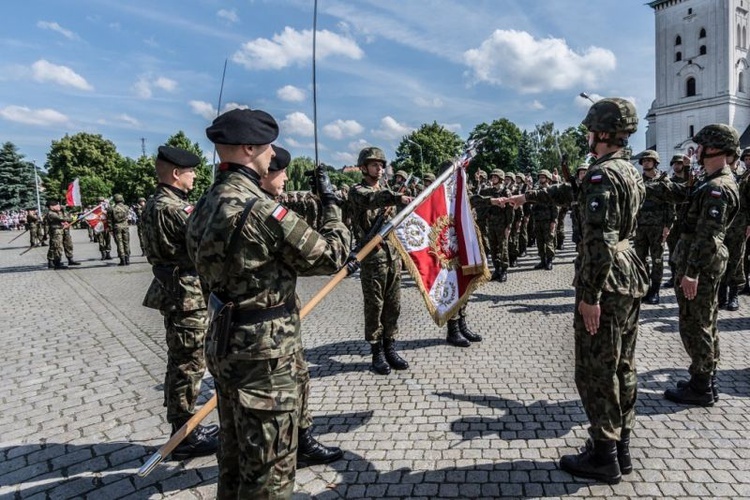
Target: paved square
<point>81,401</point>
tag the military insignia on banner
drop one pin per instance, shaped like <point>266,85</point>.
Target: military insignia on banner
<point>715,193</point>
<point>440,247</point>
<point>279,213</point>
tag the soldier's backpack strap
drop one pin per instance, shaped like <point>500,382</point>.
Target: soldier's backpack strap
<point>235,236</point>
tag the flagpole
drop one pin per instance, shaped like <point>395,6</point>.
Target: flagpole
<point>36,183</point>
<point>218,112</point>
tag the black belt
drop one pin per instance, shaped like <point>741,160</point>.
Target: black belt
<point>252,316</point>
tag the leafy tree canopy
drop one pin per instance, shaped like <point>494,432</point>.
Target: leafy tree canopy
<point>426,148</point>
<point>17,184</point>
<point>499,146</point>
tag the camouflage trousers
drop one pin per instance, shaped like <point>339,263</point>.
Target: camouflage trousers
<point>105,241</point>
<point>35,234</point>
<point>186,332</point>
<point>380,276</point>
<point>67,243</point>
<point>605,365</point>
<point>735,242</point>
<point>140,238</point>
<point>523,236</point>
<point>545,240</point>
<point>122,240</point>
<point>560,228</point>
<point>697,319</point>
<point>513,241</point>
<point>90,231</point>
<point>498,243</point>
<point>262,406</point>
<point>648,242</point>
<point>55,250</point>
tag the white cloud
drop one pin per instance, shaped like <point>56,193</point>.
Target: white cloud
<point>516,59</point>
<point>584,103</point>
<point>536,105</point>
<point>342,128</point>
<point>144,87</point>
<point>453,127</point>
<point>345,158</point>
<point>45,71</point>
<point>228,15</point>
<point>424,102</point>
<point>203,108</point>
<point>233,105</point>
<point>292,143</point>
<point>290,93</point>
<point>297,123</point>
<point>294,47</point>
<point>22,114</point>
<point>357,145</point>
<point>48,25</point>
<point>390,129</point>
<point>129,120</point>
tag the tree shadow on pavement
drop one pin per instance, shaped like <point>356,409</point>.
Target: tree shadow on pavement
<point>23,269</point>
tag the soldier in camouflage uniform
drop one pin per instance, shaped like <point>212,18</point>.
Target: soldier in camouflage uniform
<point>701,258</point>
<point>480,212</point>
<point>139,222</point>
<point>176,291</point>
<point>68,242</point>
<point>56,221</point>
<point>679,164</point>
<point>545,221</point>
<point>499,222</point>
<point>515,228</point>
<point>523,228</point>
<point>117,216</point>
<point>745,184</point>
<point>254,349</point>
<point>609,282</point>
<point>34,227</point>
<point>381,270</point>
<point>654,224</point>
<point>104,238</point>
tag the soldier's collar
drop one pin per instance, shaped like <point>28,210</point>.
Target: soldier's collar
<point>179,192</point>
<point>242,170</point>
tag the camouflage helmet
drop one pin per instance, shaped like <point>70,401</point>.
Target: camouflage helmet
<point>118,198</point>
<point>429,177</point>
<point>141,199</point>
<point>582,166</point>
<point>677,159</point>
<point>403,174</point>
<point>510,174</point>
<point>520,177</point>
<point>612,114</point>
<point>482,173</point>
<point>719,136</point>
<point>370,153</point>
<point>499,173</point>
<point>745,152</point>
<point>649,154</point>
<point>545,173</point>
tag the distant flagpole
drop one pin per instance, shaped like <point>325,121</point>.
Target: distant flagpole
<point>314,81</point>
<point>36,183</point>
<point>218,112</point>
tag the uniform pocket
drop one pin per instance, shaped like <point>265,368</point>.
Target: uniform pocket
<point>269,385</point>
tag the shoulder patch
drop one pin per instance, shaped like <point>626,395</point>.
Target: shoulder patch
<point>715,193</point>
<point>596,179</point>
<point>189,209</point>
<point>279,213</point>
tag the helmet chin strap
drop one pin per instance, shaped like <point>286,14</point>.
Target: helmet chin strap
<point>611,141</point>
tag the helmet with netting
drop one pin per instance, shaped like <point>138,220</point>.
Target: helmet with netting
<point>719,136</point>
<point>370,153</point>
<point>613,115</point>
<point>649,154</point>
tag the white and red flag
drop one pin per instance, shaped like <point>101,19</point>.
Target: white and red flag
<point>440,246</point>
<point>97,218</point>
<point>73,197</point>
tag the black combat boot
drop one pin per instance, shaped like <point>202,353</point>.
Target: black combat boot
<point>654,298</point>
<point>199,443</point>
<point>597,461</point>
<point>127,260</point>
<point>58,264</point>
<point>513,262</point>
<point>104,255</point>
<point>466,331</point>
<point>503,276</point>
<point>495,274</point>
<point>392,357</point>
<point>50,263</point>
<point>697,391</point>
<point>681,384</point>
<point>122,261</point>
<point>311,452</point>
<point>109,256</point>
<point>733,301</point>
<point>648,295</point>
<point>623,453</point>
<point>541,265</point>
<point>746,289</point>
<point>73,262</point>
<point>454,335</point>
<point>378,359</point>
<point>722,295</point>
<point>548,265</point>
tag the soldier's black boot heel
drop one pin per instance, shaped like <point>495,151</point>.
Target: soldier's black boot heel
<point>310,451</point>
<point>623,453</point>
<point>73,262</point>
<point>697,391</point>
<point>733,300</point>
<point>201,442</point>
<point>378,359</point>
<point>454,335</point>
<point>597,461</point>
<point>654,298</point>
<point>392,357</point>
<point>466,331</point>
<point>681,384</point>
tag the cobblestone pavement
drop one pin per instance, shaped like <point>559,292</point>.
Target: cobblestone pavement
<point>81,402</point>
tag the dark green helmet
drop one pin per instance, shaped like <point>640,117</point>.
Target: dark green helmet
<point>118,198</point>
<point>676,159</point>
<point>649,154</point>
<point>402,173</point>
<point>745,152</point>
<point>499,173</point>
<point>719,136</point>
<point>545,173</point>
<point>429,177</point>
<point>613,115</point>
<point>370,153</point>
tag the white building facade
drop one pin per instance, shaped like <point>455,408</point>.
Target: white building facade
<point>702,72</point>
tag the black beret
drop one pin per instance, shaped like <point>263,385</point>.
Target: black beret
<point>243,126</point>
<point>281,160</point>
<point>178,157</point>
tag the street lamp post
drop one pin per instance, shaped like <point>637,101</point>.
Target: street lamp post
<point>421,158</point>
<point>586,96</point>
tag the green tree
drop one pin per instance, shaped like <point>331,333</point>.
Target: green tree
<point>204,171</point>
<point>339,177</point>
<point>528,159</point>
<point>136,178</point>
<point>17,184</point>
<point>88,157</point>
<point>295,172</point>
<point>426,148</point>
<point>499,146</point>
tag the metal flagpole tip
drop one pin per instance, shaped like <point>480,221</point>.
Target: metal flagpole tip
<point>150,465</point>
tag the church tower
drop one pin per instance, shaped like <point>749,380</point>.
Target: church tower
<point>702,72</point>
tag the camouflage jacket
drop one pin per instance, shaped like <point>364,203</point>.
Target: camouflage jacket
<point>55,221</point>
<point>275,245</point>
<point>609,198</point>
<point>117,215</point>
<point>742,220</point>
<point>497,217</point>
<point>176,285</point>
<point>655,212</point>
<point>544,212</point>
<point>712,205</point>
<point>366,204</point>
<point>32,220</point>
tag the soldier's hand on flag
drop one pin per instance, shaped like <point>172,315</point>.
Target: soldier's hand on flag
<point>689,287</point>
<point>591,314</point>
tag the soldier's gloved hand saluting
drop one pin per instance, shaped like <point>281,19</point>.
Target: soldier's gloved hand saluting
<point>321,185</point>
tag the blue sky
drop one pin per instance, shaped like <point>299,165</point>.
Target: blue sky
<point>146,69</point>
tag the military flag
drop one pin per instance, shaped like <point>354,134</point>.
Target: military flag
<point>73,197</point>
<point>97,218</point>
<point>440,247</point>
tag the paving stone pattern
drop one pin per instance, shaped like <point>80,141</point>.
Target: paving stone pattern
<point>81,401</point>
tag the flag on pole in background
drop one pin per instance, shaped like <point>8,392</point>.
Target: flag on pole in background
<point>440,246</point>
<point>73,197</point>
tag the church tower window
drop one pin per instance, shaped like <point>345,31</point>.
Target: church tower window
<point>744,37</point>
<point>690,87</point>
<point>678,56</point>
<point>678,40</point>
<point>702,33</point>
<point>703,50</point>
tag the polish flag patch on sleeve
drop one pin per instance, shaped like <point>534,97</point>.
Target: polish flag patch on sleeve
<point>189,209</point>
<point>715,193</point>
<point>596,179</point>
<point>279,213</point>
